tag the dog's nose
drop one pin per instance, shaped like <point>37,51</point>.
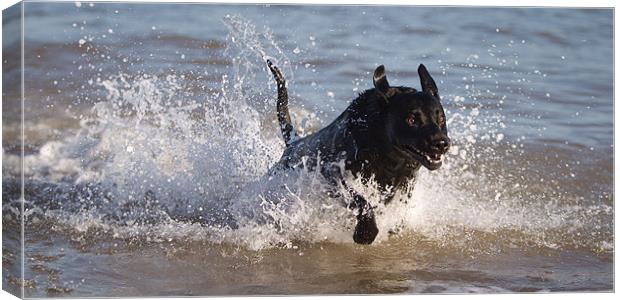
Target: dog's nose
<point>441,145</point>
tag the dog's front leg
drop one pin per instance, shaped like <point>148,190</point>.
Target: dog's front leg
<point>366,228</point>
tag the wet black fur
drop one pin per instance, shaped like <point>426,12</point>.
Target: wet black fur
<point>373,138</point>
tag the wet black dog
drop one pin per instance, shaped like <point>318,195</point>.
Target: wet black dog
<point>386,133</point>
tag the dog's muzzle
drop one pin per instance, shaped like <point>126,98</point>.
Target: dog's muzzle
<point>433,158</point>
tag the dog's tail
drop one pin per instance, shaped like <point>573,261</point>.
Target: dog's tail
<point>284,118</point>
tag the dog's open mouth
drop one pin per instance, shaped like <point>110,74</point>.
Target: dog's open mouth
<point>431,161</point>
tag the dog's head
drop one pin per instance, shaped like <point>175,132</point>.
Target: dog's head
<point>416,122</point>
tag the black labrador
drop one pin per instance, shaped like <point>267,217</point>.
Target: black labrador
<point>386,133</point>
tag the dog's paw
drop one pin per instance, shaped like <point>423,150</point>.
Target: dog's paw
<point>366,230</point>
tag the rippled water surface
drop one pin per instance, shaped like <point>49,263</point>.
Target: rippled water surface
<point>149,129</point>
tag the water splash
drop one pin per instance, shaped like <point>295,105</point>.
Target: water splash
<point>151,163</point>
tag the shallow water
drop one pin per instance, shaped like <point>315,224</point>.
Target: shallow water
<point>149,129</point>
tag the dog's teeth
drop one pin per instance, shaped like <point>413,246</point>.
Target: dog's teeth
<point>434,160</point>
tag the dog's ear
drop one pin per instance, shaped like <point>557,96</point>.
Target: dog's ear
<point>428,84</point>
<point>380,81</point>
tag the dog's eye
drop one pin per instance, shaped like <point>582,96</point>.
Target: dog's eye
<point>442,120</point>
<point>410,120</point>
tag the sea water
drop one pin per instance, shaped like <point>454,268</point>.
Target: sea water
<point>150,129</point>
